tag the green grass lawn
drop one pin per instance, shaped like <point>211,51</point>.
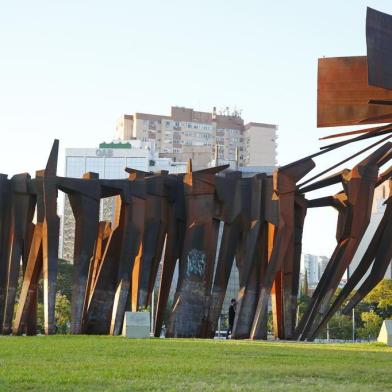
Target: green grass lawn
<point>94,363</point>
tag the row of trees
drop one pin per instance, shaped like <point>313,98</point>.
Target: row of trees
<point>368,315</point>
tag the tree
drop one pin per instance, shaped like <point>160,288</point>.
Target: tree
<point>62,313</point>
<point>381,298</point>
<point>371,325</point>
<point>340,327</point>
<point>305,286</point>
<point>65,278</point>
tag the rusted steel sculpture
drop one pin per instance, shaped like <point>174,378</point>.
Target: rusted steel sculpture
<point>189,316</point>
<point>344,93</point>
<point>166,220</point>
<point>176,228</point>
<point>285,182</point>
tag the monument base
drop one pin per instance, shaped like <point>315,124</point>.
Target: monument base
<point>136,325</point>
<point>385,335</point>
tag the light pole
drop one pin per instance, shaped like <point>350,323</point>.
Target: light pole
<point>353,312</point>
<point>353,325</point>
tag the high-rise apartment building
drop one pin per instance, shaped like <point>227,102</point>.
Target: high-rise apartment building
<point>314,266</point>
<point>203,136</point>
<point>323,261</point>
<point>312,269</point>
<point>109,161</point>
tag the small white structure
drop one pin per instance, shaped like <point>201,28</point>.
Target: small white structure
<point>385,335</point>
<point>136,325</point>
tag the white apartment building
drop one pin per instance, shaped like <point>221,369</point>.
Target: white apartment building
<point>314,266</point>
<point>310,265</point>
<point>322,264</point>
<point>203,136</point>
<point>109,161</point>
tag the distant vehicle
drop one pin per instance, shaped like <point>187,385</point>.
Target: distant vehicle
<point>220,335</point>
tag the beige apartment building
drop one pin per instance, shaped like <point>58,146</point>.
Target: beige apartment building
<point>203,136</point>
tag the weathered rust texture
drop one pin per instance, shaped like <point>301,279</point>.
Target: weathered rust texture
<point>379,249</point>
<point>132,222</point>
<point>379,48</point>
<point>343,93</point>
<point>21,203</point>
<point>248,264</point>
<point>189,316</point>
<point>271,221</point>
<point>5,208</point>
<point>285,180</point>
<point>291,269</point>
<point>173,247</point>
<point>84,197</point>
<point>382,253</point>
<point>359,186</point>
<point>44,244</point>
<point>155,228</point>
<point>104,231</point>
<point>28,294</point>
<point>50,239</point>
<point>110,291</point>
<point>228,204</point>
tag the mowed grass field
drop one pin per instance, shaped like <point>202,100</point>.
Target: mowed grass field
<point>95,363</point>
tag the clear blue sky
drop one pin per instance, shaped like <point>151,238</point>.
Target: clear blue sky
<point>69,69</point>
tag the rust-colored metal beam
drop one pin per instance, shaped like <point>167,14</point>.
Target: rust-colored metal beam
<point>84,197</point>
<point>343,93</point>
<point>189,316</point>
<point>285,180</point>
<point>176,228</point>
<point>352,223</point>
<point>379,48</point>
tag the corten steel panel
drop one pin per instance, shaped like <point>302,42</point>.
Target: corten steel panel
<point>285,180</point>
<point>104,231</point>
<point>277,305</point>
<point>360,194</point>
<point>155,227</point>
<point>100,306</point>
<point>379,48</point>
<point>84,198</point>
<point>343,94</point>
<point>377,249</point>
<point>50,239</point>
<point>380,265</point>
<point>272,219</point>
<point>359,187</point>
<point>229,208</point>
<point>46,233</point>
<point>20,207</point>
<point>132,221</point>
<point>173,248</point>
<point>5,199</point>
<point>189,316</point>
<point>246,257</point>
<point>28,294</point>
<point>291,270</point>
<point>137,266</point>
<point>110,291</point>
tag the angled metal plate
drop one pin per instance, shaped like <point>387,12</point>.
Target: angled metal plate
<point>343,94</point>
<point>379,48</point>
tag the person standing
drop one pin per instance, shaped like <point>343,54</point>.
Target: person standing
<point>232,309</point>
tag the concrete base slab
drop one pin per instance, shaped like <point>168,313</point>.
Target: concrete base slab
<point>385,335</point>
<point>136,325</point>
